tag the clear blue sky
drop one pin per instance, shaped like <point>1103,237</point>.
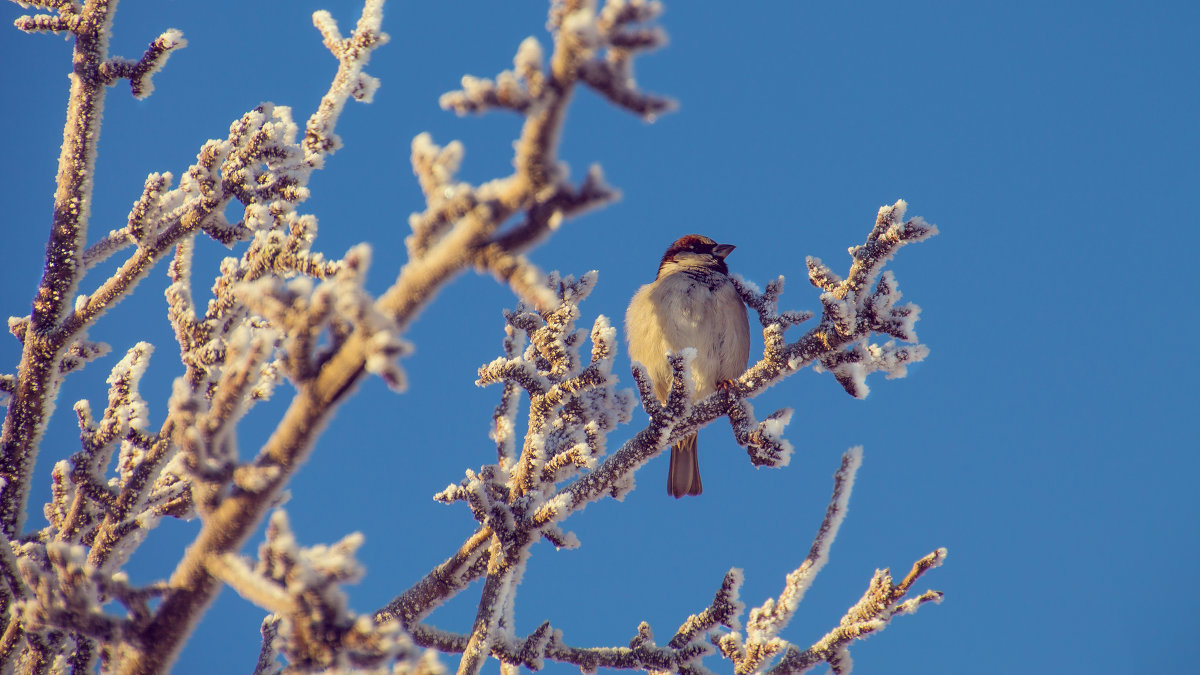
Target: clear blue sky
<point>1048,442</point>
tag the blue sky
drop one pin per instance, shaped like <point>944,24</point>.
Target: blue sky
<point>1048,440</point>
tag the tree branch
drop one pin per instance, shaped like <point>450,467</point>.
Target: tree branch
<point>37,375</point>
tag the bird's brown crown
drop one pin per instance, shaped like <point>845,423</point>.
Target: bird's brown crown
<point>700,245</point>
<point>693,242</point>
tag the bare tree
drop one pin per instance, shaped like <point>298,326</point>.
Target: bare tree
<point>281,310</point>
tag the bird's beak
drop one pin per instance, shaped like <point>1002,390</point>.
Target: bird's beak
<point>722,250</point>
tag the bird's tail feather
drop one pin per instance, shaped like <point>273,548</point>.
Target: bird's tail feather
<point>684,475</point>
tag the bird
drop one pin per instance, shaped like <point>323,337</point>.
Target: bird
<point>692,302</point>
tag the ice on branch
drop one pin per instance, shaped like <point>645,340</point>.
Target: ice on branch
<point>883,601</point>
<point>232,355</point>
<point>81,493</point>
<point>59,590</point>
<point>767,620</point>
<point>766,303</point>
<point>311,624</point>
<point>504,419</point>
<point>146,221</point>
<point>723,613</point>
<point>883,313</point>
<point>338,306</point>
<point>572,402</point>
<point>853,311</point>
<point>753,651</point>
<point>617,34</point>
<point>353,53</point>
<point>764,441</point>
<point>8,384</point>
<point>854,308</point>
<point>462,218</point>
<point>515,89</point>
<point>82,352</point>
<point>851,367</point>
<point>460,209</point>
<point>124,401</point>
<point>718,624</point>
<point>139,73</point>
<point>261,161</point>
<point>69,17</point>
<point>596,48</point>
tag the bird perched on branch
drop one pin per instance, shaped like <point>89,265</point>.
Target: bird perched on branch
<point>691,303</point>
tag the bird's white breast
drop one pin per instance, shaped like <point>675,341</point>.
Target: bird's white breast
<point>679,311</point>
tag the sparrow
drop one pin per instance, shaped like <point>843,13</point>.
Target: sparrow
<point>691,303</point>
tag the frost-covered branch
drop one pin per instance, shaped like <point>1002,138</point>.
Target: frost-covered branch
<point>852,311</point>
<point>596,48</point>
<point>523,498</point>
<point>452,234</point>
<point>546,643</point>
<point>38,375</point>
<point>139,72</point>
<point>280,309</point>
<point>259,164</point>
<point>883,601</point>
<point>719,624</point>
<point>572,408</point>
<point>761,641</point>
<point>227,351</point>
<point>460,226</point>
<point>260,328</point>
<point>311,625</point>
<point>67,18</point>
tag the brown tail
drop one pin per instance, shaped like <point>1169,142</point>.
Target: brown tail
<point>684,476</point>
